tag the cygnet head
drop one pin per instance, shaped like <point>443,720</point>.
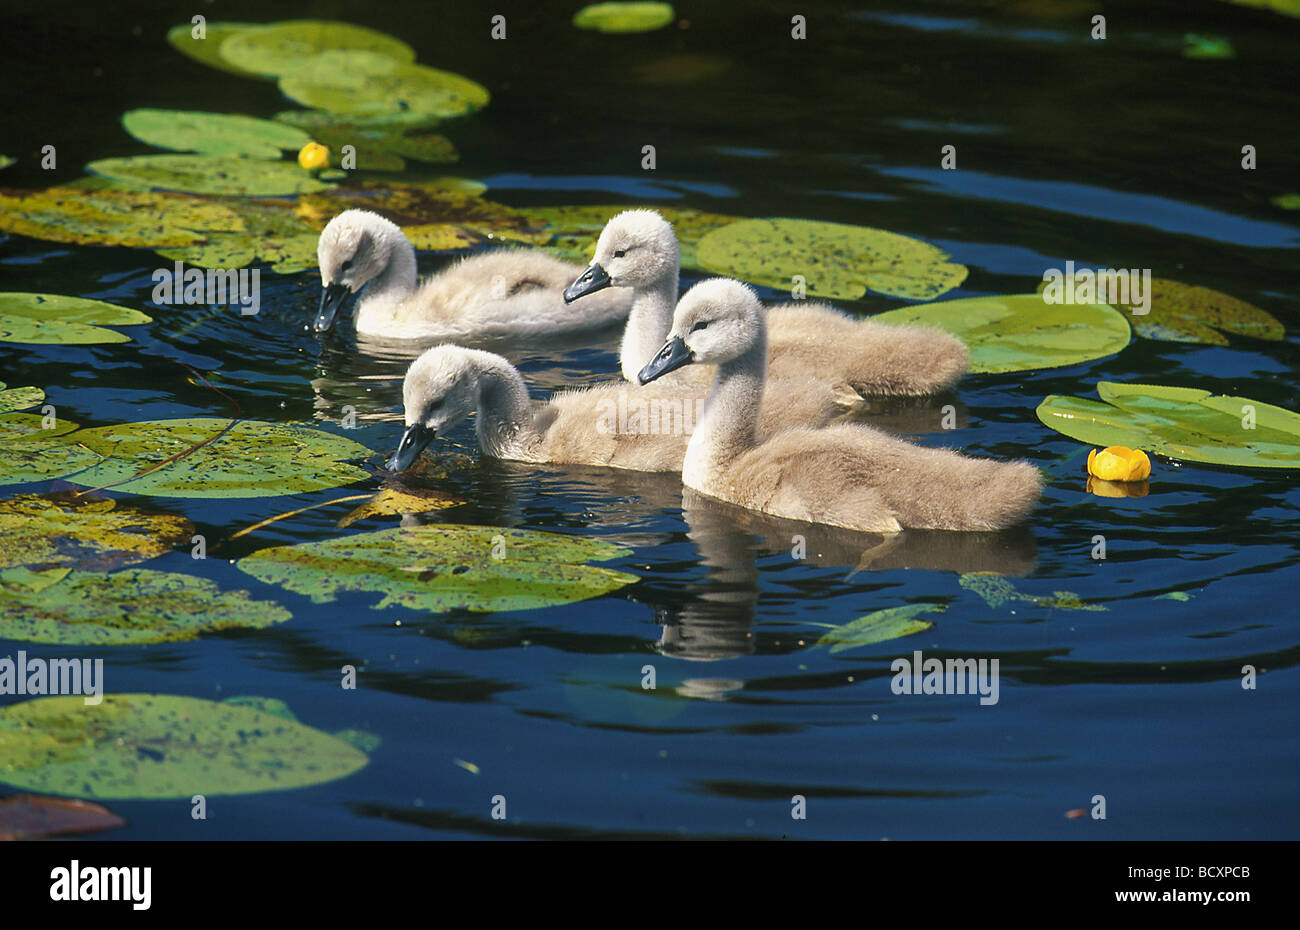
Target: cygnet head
<point>636,249</point>
<point>440,390</point>
<point>716,321</point>
<point>354,248</point>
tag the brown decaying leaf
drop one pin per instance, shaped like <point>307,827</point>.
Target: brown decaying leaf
<point>34,817</point>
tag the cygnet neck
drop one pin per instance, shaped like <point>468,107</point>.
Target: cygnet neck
<point>648,323</point>
<point>398,279</point>
<point>505,415</point>
<point>729,425</point>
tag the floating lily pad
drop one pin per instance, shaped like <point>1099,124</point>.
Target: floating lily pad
<point>363,740</point>
<point>46,531</point>
<point>272,233</point>
<point>92,212</point>
<point>997,590</point>
<point>253,459</point>
<point>26,453</point>
<point>445,567</point>
<point>836,260</point>
<point>1021,332</point>
<point>209,174</point>
<point>19,398</point>
<point>1180,423</point>
<point>128,607</point>
<point>273,706</point>
<point>282,48</point>
<point>1184,313</point>
<point>54,319</point>
<point>1285,7</point>
<point>365,84</point>
<point>208,49</point>
<point>624,17</point>
<point>162,746</point>
<point>391,502</point>
<point>213,133</point>
<point>381,147</point>
<point>879,627</point>
<point>32,817</point>
<point>1287,201</point>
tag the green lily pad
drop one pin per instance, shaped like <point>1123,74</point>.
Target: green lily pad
<point>835,259</point>
<point>273,706</point>
<point>19,398</point>
<point>363,740</point>
<point>445,567</point>
<point>1021,332</point>
<point>624,17</point>
<point>27,454</point>
<point>207,50</point>
<point>253,459</point>
<point>209,174</point>
<point>55,319</point>
<point>213,133</point>
<point>47,531</point>
<point>283,48</point>
<point>996,590</point>
<point>1179,423</point>
<point>162,746</point>
<point>92,212</point>
<point>271,233</point>
<point>878,627</point>
<point>1184,313</point>
<point>128,607</point>
<point>369,85</point>
<point>382,147</point>
<point>1285,7</point>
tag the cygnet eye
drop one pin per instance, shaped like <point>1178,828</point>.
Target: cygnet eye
<point>620,253</point>
<point>345,266</point>
<point>702,324</point>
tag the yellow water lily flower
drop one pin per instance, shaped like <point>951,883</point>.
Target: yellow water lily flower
<point>313,156</point>
<point>1119,463</point>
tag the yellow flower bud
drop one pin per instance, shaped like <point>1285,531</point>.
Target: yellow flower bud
<point>1119,463</point>
<point>313,156</point>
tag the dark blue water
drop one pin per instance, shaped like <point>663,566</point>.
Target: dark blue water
<point>1118,152</point>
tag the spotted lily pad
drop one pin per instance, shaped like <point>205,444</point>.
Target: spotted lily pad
<point>365,84</point>
<point>19,398</point>
<point>835,260</point>
<point>47,531</point>
<point>162,746</point>
<point>209,174</point>
<point>94,212</point>
<point>996,590</point>
<point>445,567</point>
<point>207,50</point>
<point>282,48</point>
<point>55,319</point>
<point>253,459</point>
<point>391,502</point>
<point>1021,332</point>
<point>1180,423</point>
<point>619,17</point>
<point>128,607</point>
<point>1185,313</point>
<point>878,627</point>
<point>213,133</point>
<point>383,147</point>
<point>27,453</point>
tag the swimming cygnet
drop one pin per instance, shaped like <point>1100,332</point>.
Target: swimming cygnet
<point>510,292</point>
<point>614,424</point>
<point>637,249</point>
<point>841,475</point>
